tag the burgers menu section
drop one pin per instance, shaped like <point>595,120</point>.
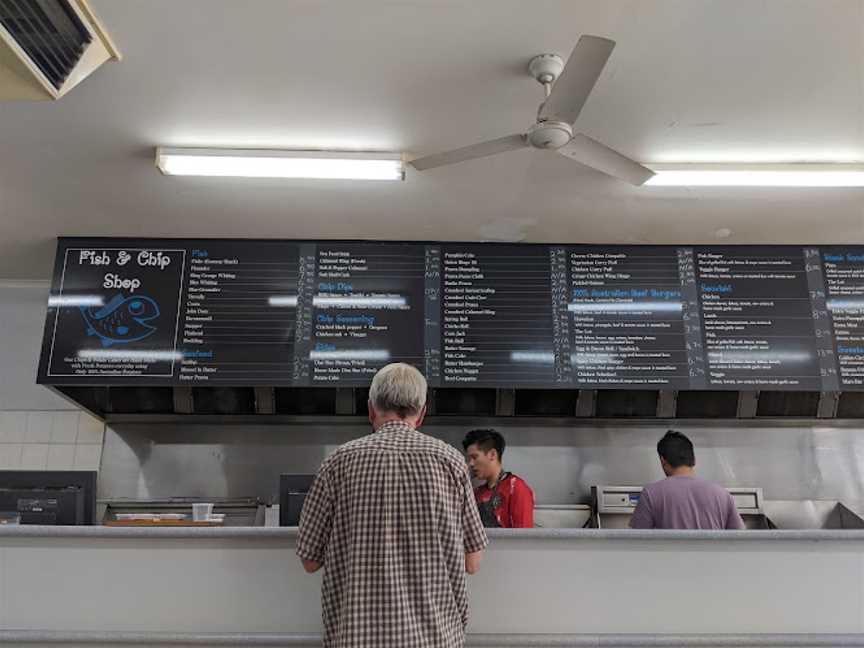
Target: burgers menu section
<point>331,313</point>
<point>628,323</point>
<point>757,318</point>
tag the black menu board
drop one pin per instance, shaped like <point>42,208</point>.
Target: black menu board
<point>331,313</point>
<point>757,318</point>
<point>238,315</point>
<point>113,313</point>
<point>628,312</point>
<point>496,316</point>
<point>843,275</point>
<point>367,310</point>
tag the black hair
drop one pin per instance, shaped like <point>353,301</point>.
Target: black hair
<point>486,440</point>
<point>676,449</point>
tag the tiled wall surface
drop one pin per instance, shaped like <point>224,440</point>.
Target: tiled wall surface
<point>50,441</point>
<point>38,429</point>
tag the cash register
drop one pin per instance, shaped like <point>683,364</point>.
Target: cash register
<point>66,497</point>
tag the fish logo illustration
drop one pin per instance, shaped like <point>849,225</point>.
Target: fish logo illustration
<point>121,320</point>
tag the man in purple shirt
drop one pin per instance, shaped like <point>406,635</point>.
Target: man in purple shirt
<point>683,501</point>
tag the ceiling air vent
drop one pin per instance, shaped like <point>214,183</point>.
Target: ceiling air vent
<point>47,47</point>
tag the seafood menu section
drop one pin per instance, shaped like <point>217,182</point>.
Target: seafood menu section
<point>331,313</point>
<point>238,316</point>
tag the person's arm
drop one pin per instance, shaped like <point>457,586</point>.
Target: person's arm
<point>733,517</point>
<point>521,505</point>
<point>472,527</point>
<point>643,516</point>
<point>316,520</point>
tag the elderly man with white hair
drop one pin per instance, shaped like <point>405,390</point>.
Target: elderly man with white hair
<point>392,520</point>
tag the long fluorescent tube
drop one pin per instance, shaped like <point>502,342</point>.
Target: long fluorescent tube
<point>242,163</point>
<point>757,175</point>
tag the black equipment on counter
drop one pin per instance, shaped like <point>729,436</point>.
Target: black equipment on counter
<point>292,494</point>
<point>65,497</point>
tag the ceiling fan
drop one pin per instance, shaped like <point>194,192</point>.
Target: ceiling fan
<point>567,88</point>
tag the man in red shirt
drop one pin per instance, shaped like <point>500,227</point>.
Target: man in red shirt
<point>504,500</point>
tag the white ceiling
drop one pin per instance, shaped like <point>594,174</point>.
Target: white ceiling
<point>690,80</point>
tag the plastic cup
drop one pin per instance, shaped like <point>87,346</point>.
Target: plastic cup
<point>201,512</point>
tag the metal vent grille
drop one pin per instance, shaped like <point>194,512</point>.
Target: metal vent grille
<point>50,33</point>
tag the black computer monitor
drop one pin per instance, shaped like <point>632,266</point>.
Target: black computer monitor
<point>57,497</point>
<point>292,494</point>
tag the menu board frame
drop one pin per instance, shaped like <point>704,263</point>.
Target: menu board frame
<point>431,353</point>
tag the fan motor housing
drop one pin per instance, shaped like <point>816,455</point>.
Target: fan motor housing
<point>550,134</point>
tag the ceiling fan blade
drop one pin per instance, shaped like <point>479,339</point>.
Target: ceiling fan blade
<point>571,90</point>
<point>598,156</point>
<point>484,149</point>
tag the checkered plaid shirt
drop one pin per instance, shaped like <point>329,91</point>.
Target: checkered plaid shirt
<point>391,516</point>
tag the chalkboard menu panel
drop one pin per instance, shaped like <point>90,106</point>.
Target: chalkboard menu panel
<point>331,313</point>
<point>497,316</point>
<point>843,274</point>
<point>628,313</point>
<point>367,310</point>
<point>757,318</point>
<point>238,315</point>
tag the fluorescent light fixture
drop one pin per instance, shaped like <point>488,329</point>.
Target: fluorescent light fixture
<point>757,175</point>
<point>262,163</point>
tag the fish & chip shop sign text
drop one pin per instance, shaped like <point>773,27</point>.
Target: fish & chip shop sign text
<point>122,259</point>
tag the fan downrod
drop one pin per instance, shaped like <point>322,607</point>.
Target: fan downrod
<point>546,68</point>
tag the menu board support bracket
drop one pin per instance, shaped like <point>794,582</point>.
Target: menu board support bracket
<point>505,402</point>
<point>747,403</point>
<point>183,400</point>
<point>265,401</point>
<point>667,400</point>
<point>828,403</point>
<point>586,403</point>
<point>345,401</point>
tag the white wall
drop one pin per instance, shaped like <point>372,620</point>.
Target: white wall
<point>38,429</point>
